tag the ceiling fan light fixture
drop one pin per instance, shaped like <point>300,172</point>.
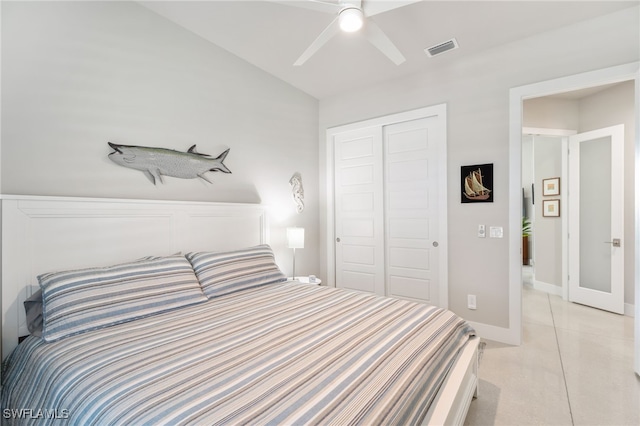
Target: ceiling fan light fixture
<point>351,19</point>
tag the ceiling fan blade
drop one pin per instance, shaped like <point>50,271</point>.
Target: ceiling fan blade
<point>330,31</point>
<point>370,8</point>
<point>317,5</point>
<point>380,40</point>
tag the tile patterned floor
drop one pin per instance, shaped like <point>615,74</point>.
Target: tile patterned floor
<point>575,367</point>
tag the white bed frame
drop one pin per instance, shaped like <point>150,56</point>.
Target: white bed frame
<point>42,234</point>
<point>452,402</point>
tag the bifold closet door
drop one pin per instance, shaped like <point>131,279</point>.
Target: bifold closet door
<point>411,214</point>
<point>359,209</point>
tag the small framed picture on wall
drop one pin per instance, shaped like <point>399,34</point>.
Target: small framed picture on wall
<point>476,183</point>
<point>551,208</point>
<point>551,186</point>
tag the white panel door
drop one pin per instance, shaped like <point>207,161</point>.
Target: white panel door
<point>359,227</point>
<point>596,220</point>
<point>411,213</point>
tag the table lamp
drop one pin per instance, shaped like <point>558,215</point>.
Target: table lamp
<point>295,239</point>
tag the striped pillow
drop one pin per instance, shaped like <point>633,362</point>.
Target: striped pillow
<point>227,272</point>
<point>78,301</point>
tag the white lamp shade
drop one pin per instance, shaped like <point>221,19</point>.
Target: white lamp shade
<point>295,237</point>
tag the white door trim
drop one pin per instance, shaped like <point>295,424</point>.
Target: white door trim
<point>615,74</point>
<point>436,110</point>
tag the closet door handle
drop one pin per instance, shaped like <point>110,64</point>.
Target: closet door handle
<point>435,244</point>
<point>337,240</point>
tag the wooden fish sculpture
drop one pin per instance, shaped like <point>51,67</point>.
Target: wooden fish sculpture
<point>158,162</point>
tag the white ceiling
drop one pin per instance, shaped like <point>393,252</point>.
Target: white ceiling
<point>272,35</point>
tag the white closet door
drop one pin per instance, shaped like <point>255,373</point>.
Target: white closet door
<point>411,213</point>
<point>359,227</point>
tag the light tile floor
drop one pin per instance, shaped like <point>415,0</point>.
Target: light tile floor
<point>575,367</point>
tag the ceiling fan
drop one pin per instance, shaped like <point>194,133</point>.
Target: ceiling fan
<point>350,17</point>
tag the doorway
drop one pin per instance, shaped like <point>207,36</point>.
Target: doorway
<point>587,268</point>
<point>543,157</point>
<point>517,97</point>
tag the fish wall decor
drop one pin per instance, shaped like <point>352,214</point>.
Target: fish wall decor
<point>158,162</point>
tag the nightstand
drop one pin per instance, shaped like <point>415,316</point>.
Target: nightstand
<point>306,280</point>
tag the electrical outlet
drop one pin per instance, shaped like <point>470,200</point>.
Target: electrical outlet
<point>482,231</point>
<point>471,301</point>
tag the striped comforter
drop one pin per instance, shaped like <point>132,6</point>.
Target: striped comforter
<point>280,354</point>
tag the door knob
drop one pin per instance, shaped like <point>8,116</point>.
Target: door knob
<point>337,240</point>
<point>615,242</point>
<point>435,244</point>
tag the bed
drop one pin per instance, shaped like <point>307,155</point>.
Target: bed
<point>243,345</point>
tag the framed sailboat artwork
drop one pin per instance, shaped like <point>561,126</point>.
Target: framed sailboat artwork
<point>476,183</point>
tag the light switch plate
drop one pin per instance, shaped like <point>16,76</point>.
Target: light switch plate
<point>471,301</point>
<point>496,232</point>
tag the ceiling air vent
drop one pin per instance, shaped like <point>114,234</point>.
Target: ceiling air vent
<point>441,48</point>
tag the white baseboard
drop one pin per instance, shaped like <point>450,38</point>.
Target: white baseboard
<point>547,288</point>
<point>629,310</point>
<point>497,334</point>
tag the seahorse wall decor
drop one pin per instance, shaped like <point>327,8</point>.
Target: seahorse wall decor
<point>298,191</point>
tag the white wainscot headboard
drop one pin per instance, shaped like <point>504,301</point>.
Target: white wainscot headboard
<point>43,234</point>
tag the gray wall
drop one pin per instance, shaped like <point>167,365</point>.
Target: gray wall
<point>78,74</point>
<point>551,113</point>
<point>476,91</point>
